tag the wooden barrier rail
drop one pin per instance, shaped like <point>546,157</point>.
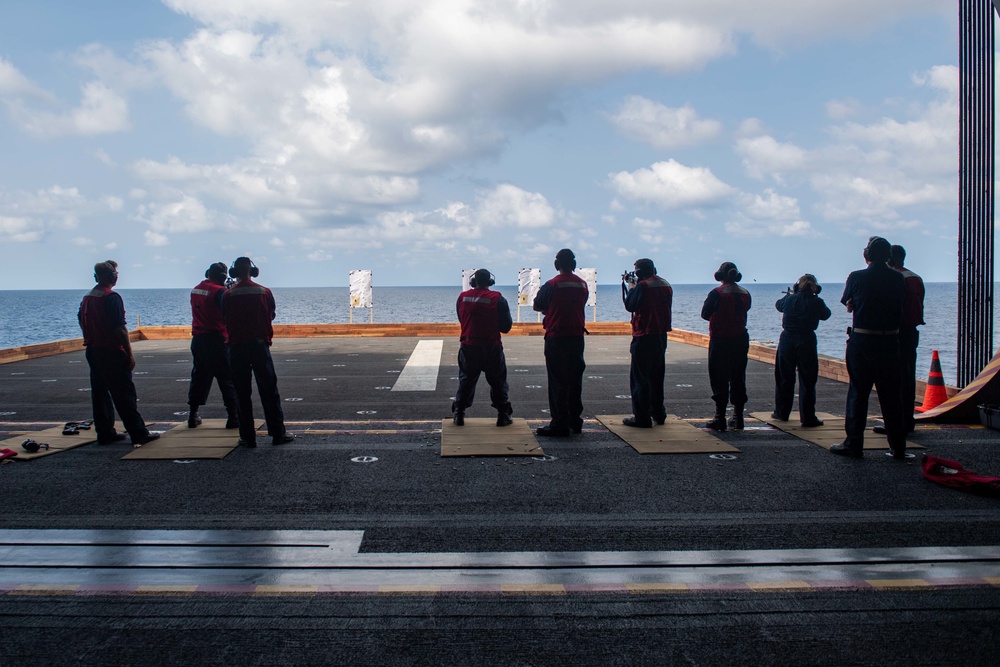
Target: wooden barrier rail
<point>829,367</point>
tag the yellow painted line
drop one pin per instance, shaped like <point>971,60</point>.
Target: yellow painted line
<point>533,589</point>
<point>164,590</point>
<point>273,591</point>
<point>45,589</point>
<point>657,588</point>
<point>903,584</point>
<point>409,589</point>
<point>769,586</point>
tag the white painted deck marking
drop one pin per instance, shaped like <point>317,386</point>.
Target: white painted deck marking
<point>421,370</point>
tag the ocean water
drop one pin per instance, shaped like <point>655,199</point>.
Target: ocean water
<point>40,316</point>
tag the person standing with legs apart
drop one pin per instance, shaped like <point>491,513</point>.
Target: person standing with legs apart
<point>248,309</point>
<point>726,308</point>
<point>109,355</point>
<point>909,336</point>
<point>208,347</point>
<point>875,297</point>
<point>649,298</point>
<point>802,310</point>
<point>484,315</point>
<point>563,300</point>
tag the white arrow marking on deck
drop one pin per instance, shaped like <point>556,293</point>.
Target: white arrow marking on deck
<point>421,370</point>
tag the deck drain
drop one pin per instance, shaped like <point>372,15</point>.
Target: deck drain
<point>367,412</point>
<point>623,396</point>
<point>722,457</point>
<point>906,455</point>
<point>182,413</point>
<point>685,385</point>
<point>319,379</point>
<point>532,386</point>
<point>292,400</point>
<point>364,459</point>
<point>545,457</point>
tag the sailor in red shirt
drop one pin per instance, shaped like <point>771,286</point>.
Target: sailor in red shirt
<point>563,300</point>
<point>248,309</point>
<point>649,298</point>
<point>909,337</point>
<point>726,308</point>
<point>109,354</point>
<point>484,315</point>
<point>208,347</point>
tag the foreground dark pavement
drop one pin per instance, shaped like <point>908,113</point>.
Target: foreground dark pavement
<point>299,555</point>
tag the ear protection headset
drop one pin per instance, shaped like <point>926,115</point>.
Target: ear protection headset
<point>483,275</point>
<point>728,271</point>
<point>644,268</point>
<point>565,260</point>
<point>216,270</point>
<point>31,446</point>
<point>877,250</point>
<point>243,262</point>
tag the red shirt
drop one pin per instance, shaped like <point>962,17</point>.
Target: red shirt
<point>248,309</point>
<point>726,311</point>
<point>913,302</point>
<point>479,314</point>
<point>101,315</point>
<point>563,300</point>
<point>206,308</point>
<point>651,302</point>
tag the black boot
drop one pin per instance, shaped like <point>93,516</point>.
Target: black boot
<point>736,421</point>
<point>503,415</point>
<point>719,423</point>
<point>457,415</point>
<point>193,419</point>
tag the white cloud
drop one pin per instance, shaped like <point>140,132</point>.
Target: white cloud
<point>15,85</point>
<point>185,215</point>
<point>19,230</point>
<point>663,126</point>
<point>840,109</point>
<point>671,185</point>
<point>510,206</point>
<point>765,157</point>
<point>101,111</point>
<point>155,239</point>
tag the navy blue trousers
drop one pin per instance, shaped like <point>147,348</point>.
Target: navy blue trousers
<point>727,370</point>
<point>488,360</point>
<point>796,351</point>
<point>564,366</point>
<point>254,359</point>
<point>211,362</point>
<point>646,377</point>
<point>873,360</point>
<point>909,339</point>
<point>111,388</point>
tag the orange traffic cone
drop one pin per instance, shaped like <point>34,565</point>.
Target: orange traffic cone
<point>935,394</point>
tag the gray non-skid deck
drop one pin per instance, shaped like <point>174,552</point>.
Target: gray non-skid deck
<point>593,516</point>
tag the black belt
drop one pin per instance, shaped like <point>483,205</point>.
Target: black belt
<point>877,332</point>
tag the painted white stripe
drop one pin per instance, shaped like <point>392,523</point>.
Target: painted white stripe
<point>421,370</point>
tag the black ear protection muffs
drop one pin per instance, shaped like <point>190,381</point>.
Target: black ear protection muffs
<point>243,261</point>
<point>728,271</point>
<point>644,268</point>
<point>482,279</point>
<point>216,271</point>
<point>565,260</point>
<point>31,446</point>
<point>877,250</point>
